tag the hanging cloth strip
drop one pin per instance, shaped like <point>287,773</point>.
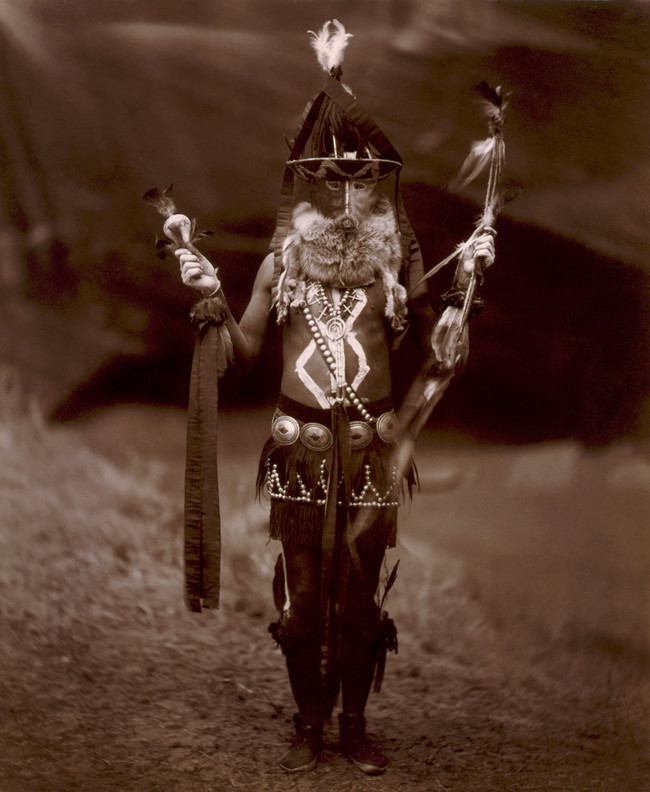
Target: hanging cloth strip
<point>202,535</point>
<point>335,556</point>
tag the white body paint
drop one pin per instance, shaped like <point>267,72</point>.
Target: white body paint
<point>351,303</point>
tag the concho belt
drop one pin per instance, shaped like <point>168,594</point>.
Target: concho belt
<point>286,430</point>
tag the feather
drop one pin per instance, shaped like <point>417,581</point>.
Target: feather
<point>475,163</point>
<point>330,45</point>
<point>493,96</point>
<point>489,151</point>
<point>499,200</point>
<point>161,201</point>
<point>392,577</point>
<point>389,584</point>
<point>494,103</point>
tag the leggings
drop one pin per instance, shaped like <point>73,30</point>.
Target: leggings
<point>358,628</point>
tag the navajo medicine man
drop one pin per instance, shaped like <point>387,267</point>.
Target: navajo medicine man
<point>344,258</point>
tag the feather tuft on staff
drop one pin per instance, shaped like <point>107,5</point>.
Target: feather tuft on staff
<point>330,45</point>
<point>488,152</point>
<point>475,163</point>
<point>493,101</point>
<point>484,154</point>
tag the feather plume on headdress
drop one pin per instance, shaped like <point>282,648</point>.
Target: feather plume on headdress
<point>332,129</point>
<point>330,45</point>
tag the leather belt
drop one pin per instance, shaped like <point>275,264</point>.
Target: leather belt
<point>287,430</point>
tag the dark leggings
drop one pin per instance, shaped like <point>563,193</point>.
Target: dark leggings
<point>360,616</point>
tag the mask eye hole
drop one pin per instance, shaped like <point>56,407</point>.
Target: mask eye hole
<point>334,186</point>
<point>359,185</point>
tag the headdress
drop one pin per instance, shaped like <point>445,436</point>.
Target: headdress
<point>338,140</point>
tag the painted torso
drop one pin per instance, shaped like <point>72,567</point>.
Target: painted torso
<point>357,334</point>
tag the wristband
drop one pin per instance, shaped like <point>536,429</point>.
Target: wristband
<point>455,297</point>
<point>209,309</point>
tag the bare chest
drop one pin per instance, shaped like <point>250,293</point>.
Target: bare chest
<point>338,339</point>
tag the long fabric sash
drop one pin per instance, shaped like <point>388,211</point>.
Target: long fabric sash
<point>335,558</point>
<point>202,514</point>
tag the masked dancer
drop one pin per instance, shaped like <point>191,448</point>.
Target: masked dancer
<point>339,280</point>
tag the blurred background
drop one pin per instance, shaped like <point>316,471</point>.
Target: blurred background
<point>102,101</point>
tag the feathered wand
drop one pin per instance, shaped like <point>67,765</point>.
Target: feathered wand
<point>430,385</point>
<point>178,228</point>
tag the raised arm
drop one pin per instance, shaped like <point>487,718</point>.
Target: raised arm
<point>450,336</point>
<point>247,335</point>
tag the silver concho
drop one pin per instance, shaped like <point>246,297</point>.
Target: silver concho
<point>285,429</point>
<point>360,434</point>
<point>387,427</point>
<point>316,436</point>
<point>335,328</point>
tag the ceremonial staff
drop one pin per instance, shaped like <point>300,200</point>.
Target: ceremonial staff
<point>212,356</point>
<point>437,373</point>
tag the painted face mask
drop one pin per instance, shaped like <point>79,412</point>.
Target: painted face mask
<point>347,201</point>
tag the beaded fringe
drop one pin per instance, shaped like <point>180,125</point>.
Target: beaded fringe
<point>302,522</point>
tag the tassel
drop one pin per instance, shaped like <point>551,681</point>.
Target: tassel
<point>296,522</point>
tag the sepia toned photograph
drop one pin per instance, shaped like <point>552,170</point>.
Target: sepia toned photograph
<point>324,395</point>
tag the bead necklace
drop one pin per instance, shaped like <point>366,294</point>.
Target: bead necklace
<point>335,328</point>
<point>335,325</point>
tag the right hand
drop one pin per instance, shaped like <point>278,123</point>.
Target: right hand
<point>196,271</point>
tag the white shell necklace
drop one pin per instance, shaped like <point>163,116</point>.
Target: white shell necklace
<point>334,315</point>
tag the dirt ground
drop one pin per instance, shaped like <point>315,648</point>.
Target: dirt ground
<point>108,683</point>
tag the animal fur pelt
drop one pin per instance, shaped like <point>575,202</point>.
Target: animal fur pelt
<point>340,253</point>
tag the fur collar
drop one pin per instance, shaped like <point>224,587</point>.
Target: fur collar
<point>336,254</point>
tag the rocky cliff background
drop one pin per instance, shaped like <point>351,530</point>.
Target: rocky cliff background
<point>101,101</point>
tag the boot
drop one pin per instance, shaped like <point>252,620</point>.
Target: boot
<point>307,745</point>
<point>358,748</point>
